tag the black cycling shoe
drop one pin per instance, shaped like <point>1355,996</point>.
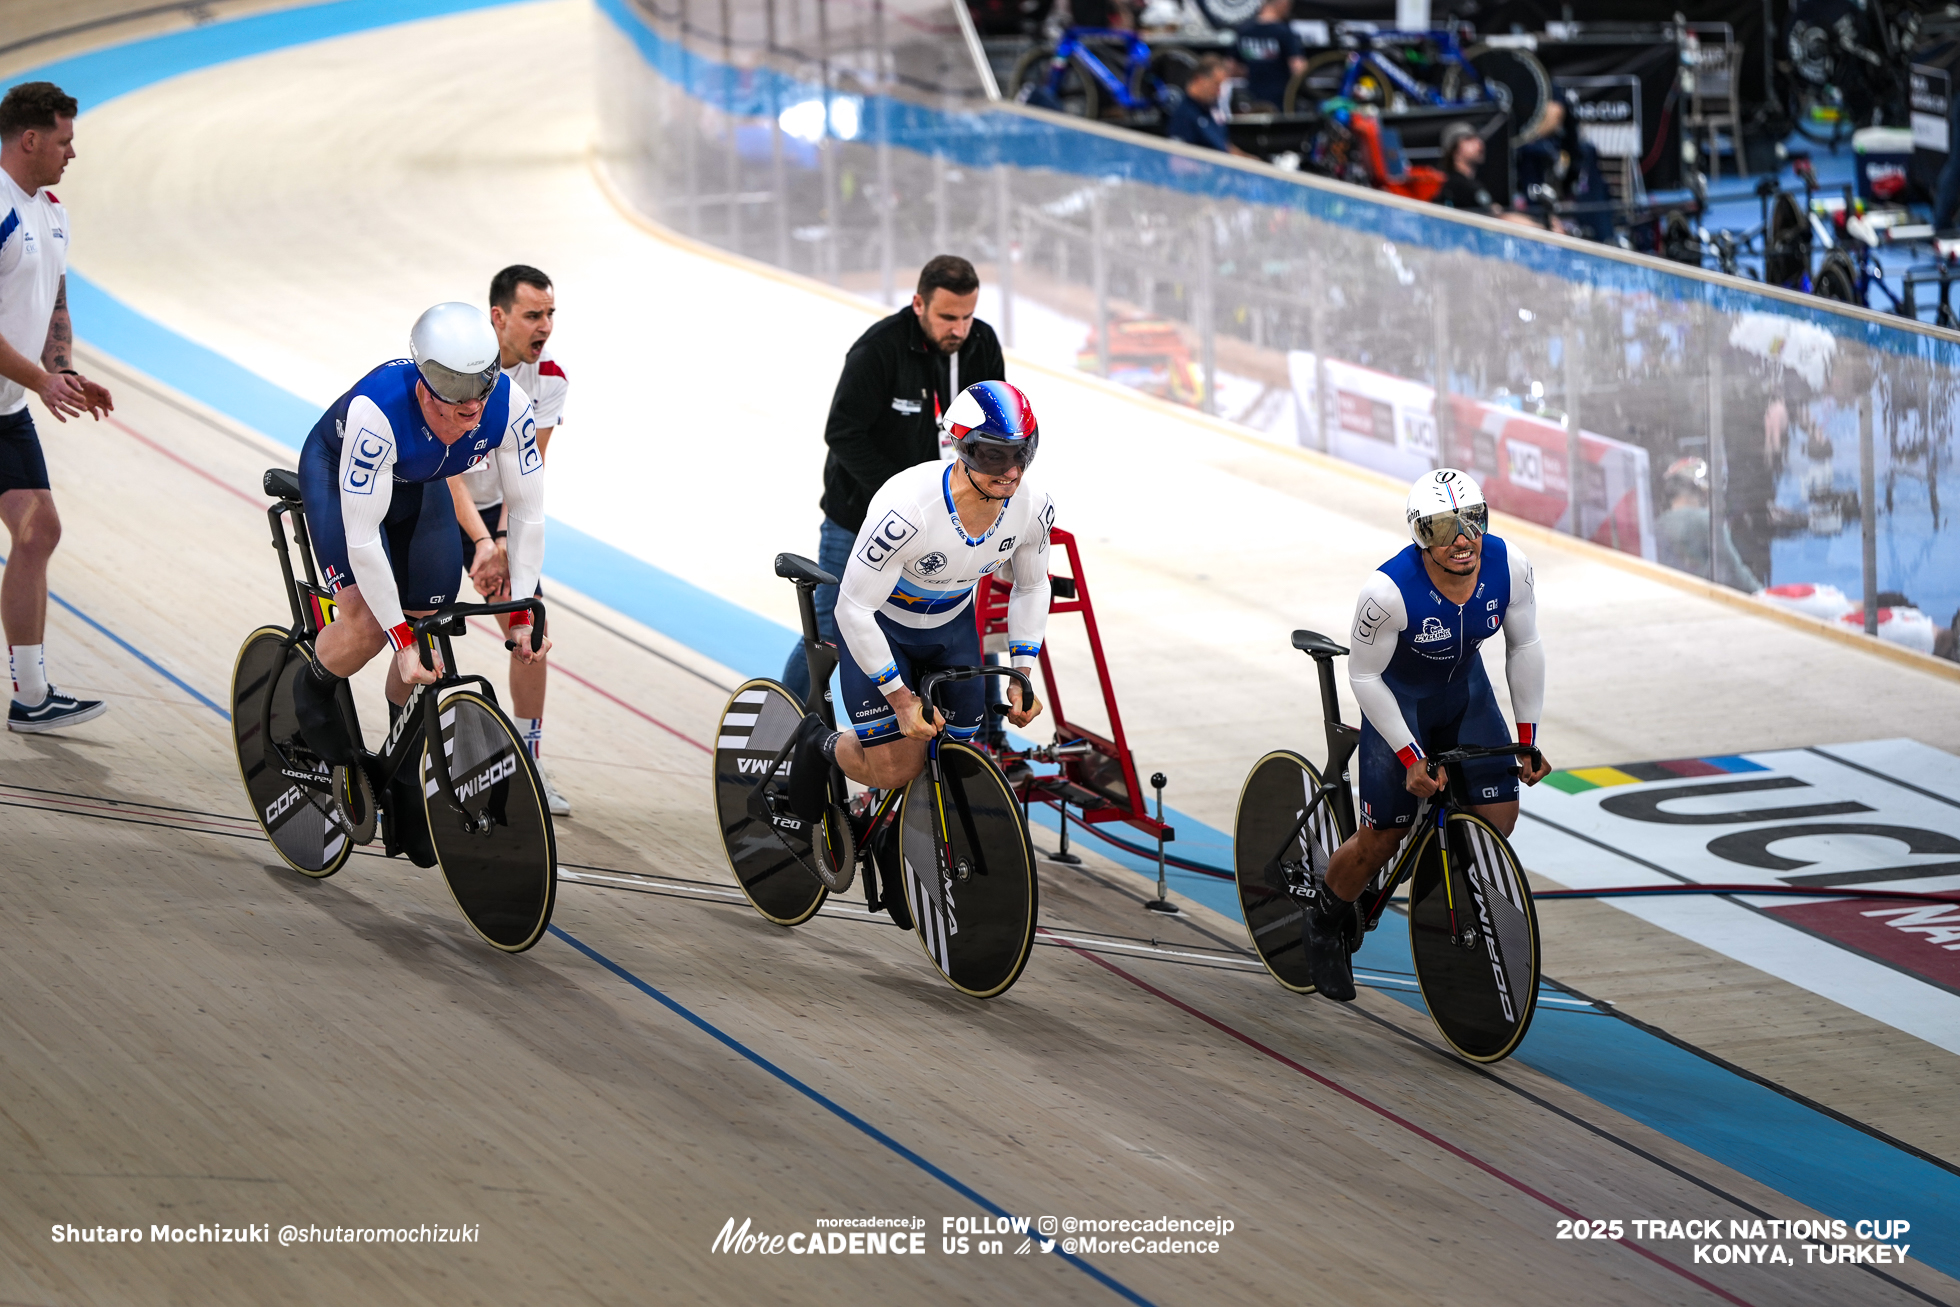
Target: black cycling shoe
<point>322,725</point>
<point>405,825</point>
<point>1325,925</point>
<point>809,770</point>
<point>886,862</point>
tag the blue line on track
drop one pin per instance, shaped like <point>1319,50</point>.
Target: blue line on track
<point>1665,1088</point>
<point>138,654</point>
<point>837,1109</point>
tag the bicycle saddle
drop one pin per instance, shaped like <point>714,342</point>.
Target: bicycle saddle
<point>793,567</point>
<point>1316,644</point>
<point>281,484</point>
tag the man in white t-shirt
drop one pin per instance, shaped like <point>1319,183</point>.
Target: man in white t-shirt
<point>521,309</point>
<point>37,139</point>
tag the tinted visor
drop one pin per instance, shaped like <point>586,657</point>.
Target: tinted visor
<point>1439,529</point>
<point>991,457</point>
<point>452,387</point>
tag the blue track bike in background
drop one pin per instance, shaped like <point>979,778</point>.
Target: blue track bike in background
<point>1100,72</point>
<point>1393,71</point>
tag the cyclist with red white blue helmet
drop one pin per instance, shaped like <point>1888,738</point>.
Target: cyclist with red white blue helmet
<point>933,534</point>
<point>1416,669</point>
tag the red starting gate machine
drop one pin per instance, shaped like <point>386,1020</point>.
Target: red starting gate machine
<point>1098,775</point>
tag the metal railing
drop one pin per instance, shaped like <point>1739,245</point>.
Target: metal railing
<point>853,143</point>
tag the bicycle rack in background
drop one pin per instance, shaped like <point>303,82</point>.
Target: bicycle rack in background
<point>1098,775</point>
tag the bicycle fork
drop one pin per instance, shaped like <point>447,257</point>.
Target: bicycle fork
<point>1463,936</point>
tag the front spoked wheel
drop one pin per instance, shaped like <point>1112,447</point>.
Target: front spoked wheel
<point>301,822</point>
<point>772,861</point>
<point>1272,852</point>
<point>500,856</point>
<point>974,897</point>
<point>1473,933</point>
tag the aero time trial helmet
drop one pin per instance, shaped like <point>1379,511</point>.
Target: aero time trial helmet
<point>1443,505</point>
<point>455,349</point>
<point>992,427</point>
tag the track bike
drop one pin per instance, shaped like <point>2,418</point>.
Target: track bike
<point>480,795</point>
<point>1374,69</point>
<point>946,855</point>
<point>1070,76</point>
<point>1473,931</point>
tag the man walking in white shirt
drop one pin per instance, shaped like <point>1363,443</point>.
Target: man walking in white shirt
<point>37,139</point>
<point>522,308</point>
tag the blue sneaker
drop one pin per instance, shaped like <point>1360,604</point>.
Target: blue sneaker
<point>56,712</point>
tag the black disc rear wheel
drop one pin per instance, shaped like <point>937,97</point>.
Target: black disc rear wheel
<point>1474,938</point>
<point>1272,850</point>
<point>500,856</point>
<point>973,903</point>
<point>772,865</point>
<point>300,821</point>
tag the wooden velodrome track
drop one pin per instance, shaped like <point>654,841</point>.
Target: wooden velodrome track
<point>190,1034</point>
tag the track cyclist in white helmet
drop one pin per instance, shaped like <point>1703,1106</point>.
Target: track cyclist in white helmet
<point>373,477</point>
<point>931,535</point>
<point>1415,668</point>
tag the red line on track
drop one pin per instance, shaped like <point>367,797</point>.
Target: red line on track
<point>1388,1115</point>
<point>604,693</point>
<point>258,501</point>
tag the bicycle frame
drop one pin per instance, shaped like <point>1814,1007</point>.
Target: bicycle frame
<point>1336,793</point>
<point>432,633</point>
<point>941,829</point>
<point>1368,55</point>
<point>1074,47</point>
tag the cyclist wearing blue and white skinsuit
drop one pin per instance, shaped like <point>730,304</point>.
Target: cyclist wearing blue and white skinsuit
<point>1417,671</point>
<point>932,535</point>
<point>374,478</point>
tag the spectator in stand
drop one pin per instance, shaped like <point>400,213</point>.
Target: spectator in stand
<point>1463,154</point>
<point>1681,533</point>
<point>1556,155</point>
<point>1192,120</point>
<point>1272,54</point>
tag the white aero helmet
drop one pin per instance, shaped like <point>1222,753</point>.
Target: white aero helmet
<point>1443,505</point>
<point>455,349</point>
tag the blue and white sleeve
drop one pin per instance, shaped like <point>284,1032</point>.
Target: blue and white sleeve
<point>1380,617</point>
<point>520,469</point>
<point>1524,654</point>
<point>367,488</point>
<point>885,543</point>
<point>1027,603</point>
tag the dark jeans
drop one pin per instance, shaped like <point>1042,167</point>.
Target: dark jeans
<point>833,552</point>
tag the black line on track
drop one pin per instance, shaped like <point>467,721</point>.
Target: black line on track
<point>1619,1141</point>
<point>1764,913</point>
<point>1947,799</point>
<point>189,8</point>
<point>559,602</point>
<point>556,601</point>
<point>124,803</point>
<point>1795,1096</point>
<point>1605,1009</point>
<point>264,446</point>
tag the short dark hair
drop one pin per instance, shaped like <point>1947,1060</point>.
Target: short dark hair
<point>947,272</point>
<point>503,286</point>
<point>34,106</point>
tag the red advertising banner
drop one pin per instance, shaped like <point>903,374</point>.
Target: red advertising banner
<point>1523,464</point>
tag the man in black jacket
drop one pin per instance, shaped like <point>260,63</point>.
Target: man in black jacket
<point>897,379</point>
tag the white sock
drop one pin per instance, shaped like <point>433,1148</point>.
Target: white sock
<point>30,674</point>
<point>533,730</point>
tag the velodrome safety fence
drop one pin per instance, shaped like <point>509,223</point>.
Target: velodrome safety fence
<point>852,141</point>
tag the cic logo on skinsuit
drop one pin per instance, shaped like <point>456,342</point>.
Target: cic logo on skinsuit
<point>364,460</point>
<point>892,532</point>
